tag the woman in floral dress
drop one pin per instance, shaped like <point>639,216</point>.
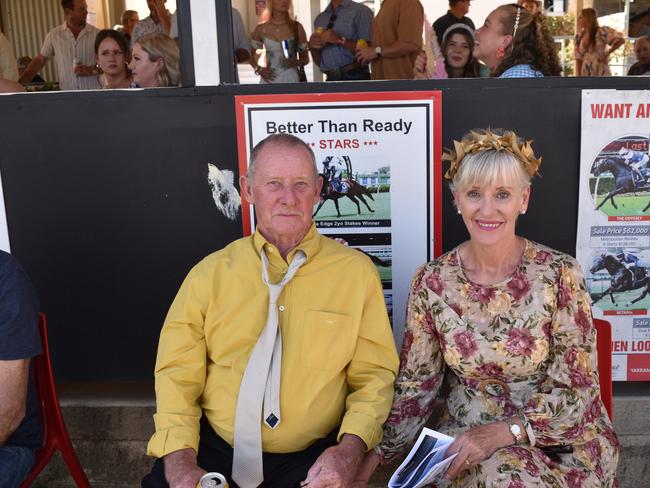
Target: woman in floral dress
<point>507,324</point>
<point>594,44</point>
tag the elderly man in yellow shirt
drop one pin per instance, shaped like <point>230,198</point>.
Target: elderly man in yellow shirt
<point>276,361</point>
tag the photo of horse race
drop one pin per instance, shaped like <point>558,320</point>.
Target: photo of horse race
<point>619,182</point>
<point>355,193</point>
<point>619,279</point>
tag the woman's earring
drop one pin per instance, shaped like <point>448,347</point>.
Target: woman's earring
<point>500,52</point>
<point>523,212</point>
<point>458,211</point>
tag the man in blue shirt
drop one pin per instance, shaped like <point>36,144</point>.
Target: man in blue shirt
<point>334,41</point>
<point>20,427</point>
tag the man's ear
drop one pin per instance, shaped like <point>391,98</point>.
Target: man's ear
<point>246,189</point>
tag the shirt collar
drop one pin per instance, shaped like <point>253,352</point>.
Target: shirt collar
<point>344,4</point>
<point>310,244</point>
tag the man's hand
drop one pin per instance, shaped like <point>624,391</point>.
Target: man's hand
<point>315,41</point>
<point>84,70</point>
<point>368,466</point>
<point>330,37</point>
<point>476,445</point>
<point>366,54</point>
<point>337,466</point>
<point>181,470</point>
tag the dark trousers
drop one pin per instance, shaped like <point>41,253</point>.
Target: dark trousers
<point>215,454</point>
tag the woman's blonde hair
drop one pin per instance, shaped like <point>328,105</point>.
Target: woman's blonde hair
<point>266,15</point>
<point>161,46</point>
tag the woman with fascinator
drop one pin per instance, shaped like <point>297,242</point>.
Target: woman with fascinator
<point>505,324</point>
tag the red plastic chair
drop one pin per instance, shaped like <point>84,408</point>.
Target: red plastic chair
<point>604,347</point>
<point>55,435</point>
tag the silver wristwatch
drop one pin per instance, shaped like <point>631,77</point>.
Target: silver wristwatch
<point>378,51</point>
<point>515,430</point>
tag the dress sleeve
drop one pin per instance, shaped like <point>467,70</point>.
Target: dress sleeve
<point>559,413</point>
<point>420,374</point>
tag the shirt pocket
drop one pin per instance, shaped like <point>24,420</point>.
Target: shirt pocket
<point>327,341</point>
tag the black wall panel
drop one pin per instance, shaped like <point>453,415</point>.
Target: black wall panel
<point>108,204</point>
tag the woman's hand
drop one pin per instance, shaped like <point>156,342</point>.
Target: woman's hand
<point>367,467</point>
<point>420,67</point>
<point>266,73</point>
<point>476,445</point>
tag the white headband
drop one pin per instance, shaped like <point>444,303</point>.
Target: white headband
<point>459,25</point>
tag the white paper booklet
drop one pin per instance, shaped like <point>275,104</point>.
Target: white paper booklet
<point>426,463</point>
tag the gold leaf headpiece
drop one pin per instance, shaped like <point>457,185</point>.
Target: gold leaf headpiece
<point>489,141</point>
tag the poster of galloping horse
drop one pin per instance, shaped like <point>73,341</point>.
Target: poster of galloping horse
<point>379,157</point>
<point>613,243</point>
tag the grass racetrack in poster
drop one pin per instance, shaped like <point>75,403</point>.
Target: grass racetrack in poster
<point>380,203</point>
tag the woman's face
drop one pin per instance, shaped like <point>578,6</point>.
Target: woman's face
<point>281,5</point>
<point>144,70</point>
<point>489,39</point>
<point>458,51</point>
<point>490,212</point>
<point>111,57</point>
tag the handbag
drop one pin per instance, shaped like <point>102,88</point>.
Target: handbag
<point>302,76</point>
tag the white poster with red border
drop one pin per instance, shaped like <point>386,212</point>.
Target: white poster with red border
<point>613,242</point>
<point>381,155</point>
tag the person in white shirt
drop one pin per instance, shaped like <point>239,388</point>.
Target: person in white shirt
<point>8,66</point>
<point>72,45</point>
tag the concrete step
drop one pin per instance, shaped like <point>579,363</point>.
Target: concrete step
<point>110,434</point>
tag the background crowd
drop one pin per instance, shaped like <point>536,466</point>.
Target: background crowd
<point>348,42</point>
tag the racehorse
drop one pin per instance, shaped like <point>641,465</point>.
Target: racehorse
<point>623,179</point>
<point>621,277</point>
<point>354,191</point>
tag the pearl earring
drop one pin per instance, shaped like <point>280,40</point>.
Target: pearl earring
<point>523,212</point>
<point>458,211</point>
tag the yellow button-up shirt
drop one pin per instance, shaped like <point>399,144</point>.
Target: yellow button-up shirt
<point>339,360</point>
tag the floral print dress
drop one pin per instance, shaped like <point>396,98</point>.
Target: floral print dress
<point>594,58</point>
<point>525,346</point>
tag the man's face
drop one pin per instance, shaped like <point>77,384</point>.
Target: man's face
<point>642,50</point>
<point>79,12</point>
<point>463,5</point>
<point>283,190</point>
<point>152,4</point>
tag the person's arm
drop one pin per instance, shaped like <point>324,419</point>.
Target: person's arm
<point>370,377</point>
<point>180,371</point>
<point>164,17</point>
<point>13,394</point>
<point>614,40</point>
<point>395,50</point>
<point>303,47</point>
<point>266,73</point>
<point>8,86</point>
<point>569,399</point>
<point>34,67</point>
<point>240,38</point>
<point>181,469</point>
<point>409,34</point>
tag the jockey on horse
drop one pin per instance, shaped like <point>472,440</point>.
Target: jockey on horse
<point>630,261</point>
<point>637,161</point>
<point>333,169</point>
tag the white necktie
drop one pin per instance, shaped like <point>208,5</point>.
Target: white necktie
<point>260,386</point>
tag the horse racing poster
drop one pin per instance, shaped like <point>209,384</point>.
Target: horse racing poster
<point>379,155</point>
<point>613,244</point>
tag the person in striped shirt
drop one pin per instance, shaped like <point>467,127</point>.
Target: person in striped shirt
<point>72,44</point>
